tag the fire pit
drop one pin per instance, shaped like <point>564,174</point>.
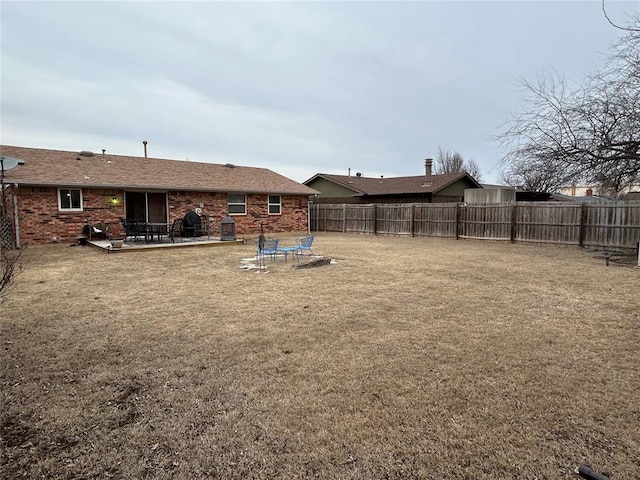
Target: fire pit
<point>227,229</point>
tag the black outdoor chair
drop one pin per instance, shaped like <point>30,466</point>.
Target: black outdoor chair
<point>134,229</point>
<point>175,230</point>
<point>204,227</point>
<point>99,231</point>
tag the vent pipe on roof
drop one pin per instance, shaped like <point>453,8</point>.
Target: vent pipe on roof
<point>144,142</point>
<point>349,174</point>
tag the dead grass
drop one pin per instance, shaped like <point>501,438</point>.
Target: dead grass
<point>407,358</point>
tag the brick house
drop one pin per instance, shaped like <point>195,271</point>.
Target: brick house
<point>427,188</point>
<point>52,194</point>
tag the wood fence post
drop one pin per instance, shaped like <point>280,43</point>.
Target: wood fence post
<point>325,219</point>
<point>375,219</point>
<point>583,224</point>
<point>344,217</point>
<point>458,207</point>
<point>412,220</point>
<point>514,206</point>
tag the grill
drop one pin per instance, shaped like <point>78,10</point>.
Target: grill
<point>227,229</point>
<point>191,224</point>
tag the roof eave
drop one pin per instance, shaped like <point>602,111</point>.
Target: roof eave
<point>333,180</point>
<point>456,179</point>
<point>155,187</point>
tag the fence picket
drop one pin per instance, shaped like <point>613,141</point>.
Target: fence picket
<point>606,225</point>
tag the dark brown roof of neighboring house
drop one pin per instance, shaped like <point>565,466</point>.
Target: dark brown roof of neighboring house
<point>71,169</point>
<point>394,185</point>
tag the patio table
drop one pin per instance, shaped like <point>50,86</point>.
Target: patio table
<point>158,229</point>
<point>287,250</point>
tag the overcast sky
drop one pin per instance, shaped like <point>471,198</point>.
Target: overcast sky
<point>299,88</point>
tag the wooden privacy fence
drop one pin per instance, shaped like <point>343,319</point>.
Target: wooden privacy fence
<point>605,225</point>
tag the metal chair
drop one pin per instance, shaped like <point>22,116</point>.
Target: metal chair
<point>99,231</point>
<point>175,230</point>
<point>304,244</point>
<point>203,229</point>
<point>267,248</point>
<point>134,229</point>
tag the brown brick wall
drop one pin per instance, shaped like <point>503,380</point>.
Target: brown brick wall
<point>214,205</point>
<point>40,221</point>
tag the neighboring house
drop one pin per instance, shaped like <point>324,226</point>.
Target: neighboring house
<point>594,190</point>
<point>559,197</point>
<point>521,195</point>
<point>427,188</point>
<point>52,194</point>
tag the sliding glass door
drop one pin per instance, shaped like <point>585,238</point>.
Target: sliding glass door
<point>150,207</point>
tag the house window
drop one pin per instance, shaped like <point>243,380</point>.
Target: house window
<point>70,199</point>
<point>237,204</point>
<point>275,205</point>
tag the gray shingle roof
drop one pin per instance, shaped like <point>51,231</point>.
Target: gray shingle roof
<point>62,168</point>
<point>393,185</point>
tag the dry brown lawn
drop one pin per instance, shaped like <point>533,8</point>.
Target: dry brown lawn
<point>407,358</point>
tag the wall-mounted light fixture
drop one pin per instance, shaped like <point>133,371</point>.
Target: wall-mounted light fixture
<point>114,200</point>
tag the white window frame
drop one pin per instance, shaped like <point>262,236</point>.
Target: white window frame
<point>68,192</point>
<point>274,204</point>
<point>236,204</point>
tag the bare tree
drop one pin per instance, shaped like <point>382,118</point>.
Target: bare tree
<point>473,169</point>
<point>453,162</point>
<point>448,162</point>
<point>11,266</point>
<point>537,175</point>
<point>589,133</point>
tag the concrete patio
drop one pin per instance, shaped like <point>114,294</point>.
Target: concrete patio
<point>142,245</point>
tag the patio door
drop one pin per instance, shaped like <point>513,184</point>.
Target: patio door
<point>148,206</point>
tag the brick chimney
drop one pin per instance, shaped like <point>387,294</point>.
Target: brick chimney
<point>428,167</point>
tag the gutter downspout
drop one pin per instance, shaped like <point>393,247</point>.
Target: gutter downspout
<point>16,220</point>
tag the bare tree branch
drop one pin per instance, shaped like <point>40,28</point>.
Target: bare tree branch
<point>589,132</point>
<point>453,162</point>
<point>11,266</point>
<point>628,29</point>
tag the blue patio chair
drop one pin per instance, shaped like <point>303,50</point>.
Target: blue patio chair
<point>270,249</point>
<point>304,244</point>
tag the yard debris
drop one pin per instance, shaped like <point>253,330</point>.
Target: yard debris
<point>586,472</point>
<point>314,262</point>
